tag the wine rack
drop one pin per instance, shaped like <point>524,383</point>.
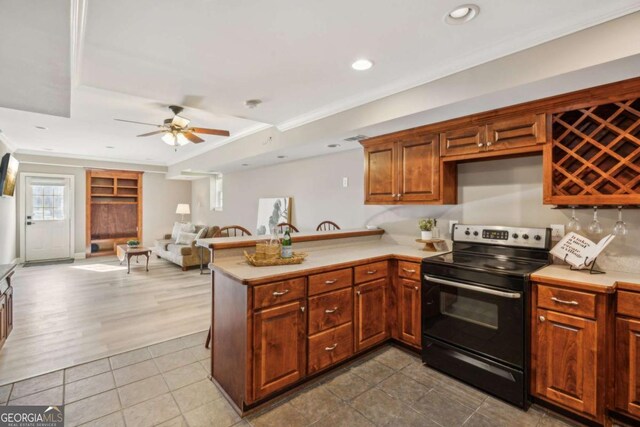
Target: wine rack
<point>594,156</point>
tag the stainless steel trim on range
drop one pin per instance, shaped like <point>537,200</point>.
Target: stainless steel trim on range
<point>478,288</point>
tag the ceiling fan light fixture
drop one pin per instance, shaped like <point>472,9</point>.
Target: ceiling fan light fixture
<point>169,139</point>
<point>180,121</point>
<point>181,139</point>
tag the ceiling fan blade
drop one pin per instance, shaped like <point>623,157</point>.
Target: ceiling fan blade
<point>193,138</point>
<point>152,133</point>
<point>140,123</point>
<point>210,131</point>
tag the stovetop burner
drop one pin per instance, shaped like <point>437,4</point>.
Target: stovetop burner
<point>497,264</point>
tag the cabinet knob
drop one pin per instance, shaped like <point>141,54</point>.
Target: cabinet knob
<point>488,143</point>
<point>480,144</point>
<point>302,309</point>
<point>357,292</point>
<point>542,318</point>
<point>416,288</point>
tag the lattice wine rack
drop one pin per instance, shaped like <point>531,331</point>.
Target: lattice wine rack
<point>595,155</point>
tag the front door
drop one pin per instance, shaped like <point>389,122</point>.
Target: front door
<point>48,219</point>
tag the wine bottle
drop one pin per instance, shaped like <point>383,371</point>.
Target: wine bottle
<point>287,251</point>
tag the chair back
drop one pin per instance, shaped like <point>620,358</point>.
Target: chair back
<point>327,226</point>
<point>283,225</point>
<point>232,231</point>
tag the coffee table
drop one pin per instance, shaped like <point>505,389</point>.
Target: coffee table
<point>126,251</point>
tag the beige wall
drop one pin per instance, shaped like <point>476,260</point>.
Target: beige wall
<point>7,222</point>
<point>504,192</point>
<point>159,195</point>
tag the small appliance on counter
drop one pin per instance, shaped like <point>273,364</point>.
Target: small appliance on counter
<point>475,307</point>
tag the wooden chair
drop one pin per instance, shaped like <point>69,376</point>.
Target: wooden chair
<point>327,226</point>
<point>228,231</point>
<point>232,231</point>
<point>283,225</point>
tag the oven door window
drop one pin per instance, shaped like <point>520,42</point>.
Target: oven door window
<point>487,324</point>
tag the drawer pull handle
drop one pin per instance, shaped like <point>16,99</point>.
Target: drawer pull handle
<point>331,310</point>
<point>480,144</point>
<point>561,301</point>
<point>279,294</point>
<point>333,347</point>
<point>408,270</point>
<point>330,282</point>
<point>372,271</point>
<point>488,143</point>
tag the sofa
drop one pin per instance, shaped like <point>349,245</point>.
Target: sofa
<point>182,254</point>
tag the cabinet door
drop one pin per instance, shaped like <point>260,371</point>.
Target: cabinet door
<point>279,348</point>
<point>409,316</point>
<point>627,370</point>
<point>371,313</point>
<point>380,173</point>
<point>566,361</point>
<point>419,168</point>
<point>521,131</point>
<point>457,142</point>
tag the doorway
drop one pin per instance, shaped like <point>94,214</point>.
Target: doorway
<point>46,217</point>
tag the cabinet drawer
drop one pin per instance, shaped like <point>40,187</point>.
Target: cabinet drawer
<point>329,347</point>
<point>368,272</point>
<point>628,304</point>
<point>567,301</point>
<point>329,310</point>
<point>279,292</point>
<point>325,282</point>
<point>409,270</point>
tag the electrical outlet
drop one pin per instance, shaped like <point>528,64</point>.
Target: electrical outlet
<point>452,222</point>
<point>557,231</point>
<point>345,182</point>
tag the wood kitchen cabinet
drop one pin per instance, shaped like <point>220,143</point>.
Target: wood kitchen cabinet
<point>279,347</point>
<point>370,309</point>
<point>408,295</point>
<point>568,350</point>
<point>405,168</point>
<point>627,354</point>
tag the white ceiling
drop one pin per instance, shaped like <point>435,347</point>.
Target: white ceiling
<point>134,58</point>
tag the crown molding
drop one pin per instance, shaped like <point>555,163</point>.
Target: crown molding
<point>483,55</point>
<point>84,157</point>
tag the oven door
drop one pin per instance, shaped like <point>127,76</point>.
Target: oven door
<point>475,317</point>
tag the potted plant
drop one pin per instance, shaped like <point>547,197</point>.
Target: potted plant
<point>426,226</point>
<point>133,243</point>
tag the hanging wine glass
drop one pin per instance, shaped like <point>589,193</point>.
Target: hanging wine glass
<point>620,229</point>
<point>573,224</point>
<point>595,227</point>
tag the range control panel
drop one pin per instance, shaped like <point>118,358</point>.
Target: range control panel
<point>539,238</point>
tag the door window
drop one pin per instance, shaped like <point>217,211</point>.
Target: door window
<point>47,202</point>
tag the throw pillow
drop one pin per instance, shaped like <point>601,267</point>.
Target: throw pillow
<point>200,233</point>
<point>185,238</point>
<point>179,227</point>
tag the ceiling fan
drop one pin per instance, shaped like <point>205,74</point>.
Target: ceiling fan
<point>176,130</point>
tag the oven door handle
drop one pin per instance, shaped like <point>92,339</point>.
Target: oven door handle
<point>481,289</point>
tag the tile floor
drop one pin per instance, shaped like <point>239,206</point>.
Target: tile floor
<point>166,384</point>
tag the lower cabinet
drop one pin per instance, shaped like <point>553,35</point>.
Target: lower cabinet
<point>329,347</point>
<point>279,347</point>
<point>627,354</point>
<point>4,330</point>
<point>370,313</point>
<point>409,312</point>
<point>566,364</point>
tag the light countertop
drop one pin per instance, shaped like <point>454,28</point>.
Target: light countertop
<point>319,258</point>
<point>606,283</point>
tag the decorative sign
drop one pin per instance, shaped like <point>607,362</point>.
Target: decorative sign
<point>578,251</point>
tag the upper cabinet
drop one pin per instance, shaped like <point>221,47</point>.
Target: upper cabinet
<point>515,133</point>
<point>594,155</point>
<point>405,169</point>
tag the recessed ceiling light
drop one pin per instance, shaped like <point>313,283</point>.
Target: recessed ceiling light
<point>41,127</point>
<point>362,64</point>
<point>333,145</point>
<point>109,146</point>
<point>252,103</point>
<point>282,157</point>
<point>462,14</point>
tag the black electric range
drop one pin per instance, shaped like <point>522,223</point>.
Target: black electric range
<point>475,307</point>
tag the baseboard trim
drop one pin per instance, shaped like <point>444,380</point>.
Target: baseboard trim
<point>17,261</point>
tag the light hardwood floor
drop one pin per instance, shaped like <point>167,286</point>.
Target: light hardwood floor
<point>74,313</point>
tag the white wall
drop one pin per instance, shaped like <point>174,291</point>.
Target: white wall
<point>504,192</point>
<point>7,222</point>
<point>159,195</point>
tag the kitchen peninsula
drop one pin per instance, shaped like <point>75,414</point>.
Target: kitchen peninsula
<point>275,327</point>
